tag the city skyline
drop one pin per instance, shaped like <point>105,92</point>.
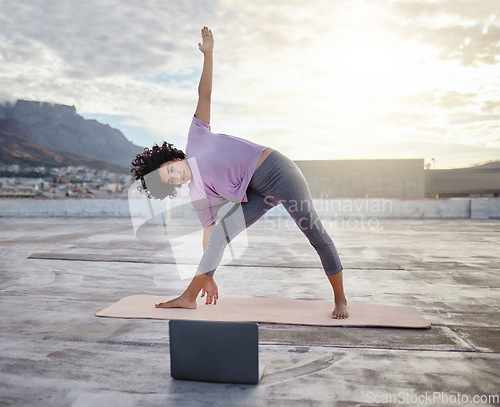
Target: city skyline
<point>323,80</point>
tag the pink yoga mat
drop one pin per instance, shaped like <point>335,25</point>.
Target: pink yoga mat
<point>272,310</point>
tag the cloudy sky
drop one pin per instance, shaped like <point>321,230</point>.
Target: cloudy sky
<point>332,79</point>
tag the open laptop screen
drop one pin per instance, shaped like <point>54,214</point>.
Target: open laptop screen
<point>214,351</point>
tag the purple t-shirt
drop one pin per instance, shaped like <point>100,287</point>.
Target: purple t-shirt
<point>221,168</point>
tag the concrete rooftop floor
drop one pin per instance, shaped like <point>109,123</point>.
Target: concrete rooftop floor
<point>56,273</point>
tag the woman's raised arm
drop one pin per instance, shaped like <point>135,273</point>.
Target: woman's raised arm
<point>205,86</point>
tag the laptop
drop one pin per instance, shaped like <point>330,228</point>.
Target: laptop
<point>215,351</point>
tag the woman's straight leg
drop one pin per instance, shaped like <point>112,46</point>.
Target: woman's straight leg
<point>236,220</point>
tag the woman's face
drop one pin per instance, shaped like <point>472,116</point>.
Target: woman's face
<point>175,172</point>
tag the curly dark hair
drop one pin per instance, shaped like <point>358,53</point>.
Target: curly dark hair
<point>146,164</point>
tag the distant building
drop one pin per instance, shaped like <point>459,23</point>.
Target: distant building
<point>480,181</point>
<point>19,192</point>
<point>398,178</point>
<point>112,187</point>
<point>13,168</point>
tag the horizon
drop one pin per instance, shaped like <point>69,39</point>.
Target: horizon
<point>341,80</point>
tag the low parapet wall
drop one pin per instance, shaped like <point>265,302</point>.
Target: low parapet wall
<point>79,208</point>
<point>460,208</point>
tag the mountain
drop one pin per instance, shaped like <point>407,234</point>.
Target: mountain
<point>60,128</point>
<point>17,148</point>
<point>492,165</point>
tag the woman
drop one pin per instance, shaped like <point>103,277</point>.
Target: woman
<point>224,169</point>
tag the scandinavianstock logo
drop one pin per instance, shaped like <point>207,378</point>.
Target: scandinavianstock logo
<point>172,226</point>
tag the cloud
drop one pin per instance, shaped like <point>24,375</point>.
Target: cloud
<point>468,10</point>
<point>468,31</point>
<point>469,45</point>
<point>442,99</point>
<point>102,38</point>
<point>491,107</point>
<point>450,100</point>
<point>466,117</point>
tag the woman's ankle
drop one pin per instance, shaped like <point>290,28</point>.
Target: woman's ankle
<point>340,300</point>
<point>187,296</point>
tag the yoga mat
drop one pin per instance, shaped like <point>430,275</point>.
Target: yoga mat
<point>271,310</point>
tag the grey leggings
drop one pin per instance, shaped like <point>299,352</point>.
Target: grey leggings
<point>278,180</point>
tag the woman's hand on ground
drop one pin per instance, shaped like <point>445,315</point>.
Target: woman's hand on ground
<point>208,40</point>
<point>211,290</point>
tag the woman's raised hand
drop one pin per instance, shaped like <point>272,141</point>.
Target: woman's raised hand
<point>208,40</point>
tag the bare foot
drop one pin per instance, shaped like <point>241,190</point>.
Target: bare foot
<point>341,311</point>
<point>179,302</point>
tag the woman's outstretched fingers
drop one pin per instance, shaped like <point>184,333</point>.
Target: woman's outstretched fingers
<point>211,298</point>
